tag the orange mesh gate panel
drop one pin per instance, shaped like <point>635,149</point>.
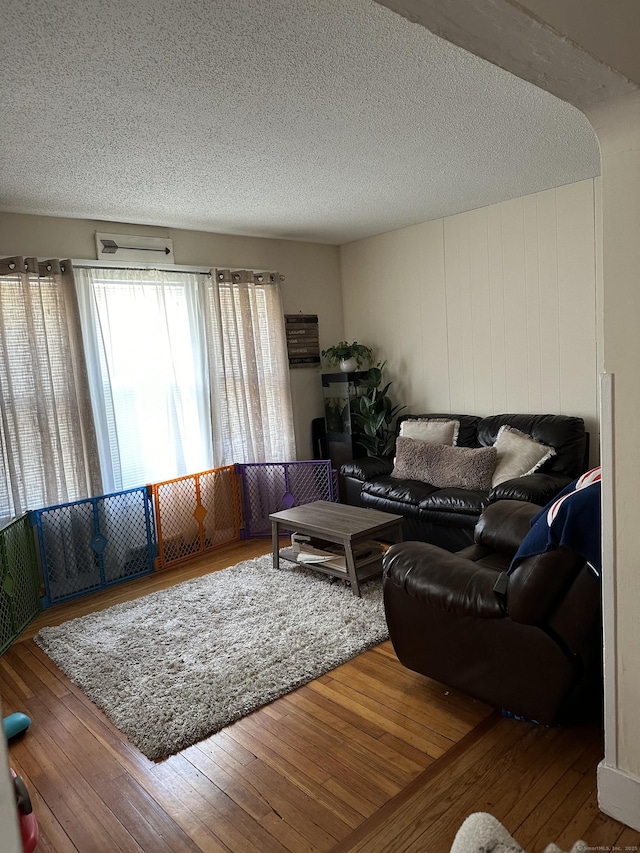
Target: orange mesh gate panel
<point>196,513</point>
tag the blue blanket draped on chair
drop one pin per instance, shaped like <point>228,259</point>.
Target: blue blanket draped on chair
<point>571,520</point>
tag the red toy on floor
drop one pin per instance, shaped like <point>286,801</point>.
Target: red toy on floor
<point>26,817</point>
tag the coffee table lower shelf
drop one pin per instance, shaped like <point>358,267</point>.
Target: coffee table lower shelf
<point>338,569</point>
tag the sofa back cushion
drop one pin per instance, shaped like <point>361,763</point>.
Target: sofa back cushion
<point>565,434</point>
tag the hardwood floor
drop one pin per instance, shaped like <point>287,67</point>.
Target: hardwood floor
<point>369,757</point>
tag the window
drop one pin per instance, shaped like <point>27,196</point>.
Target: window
<point>146,358</point>
<point>113,378</point>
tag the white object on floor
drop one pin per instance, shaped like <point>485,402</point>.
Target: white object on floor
<point>483,833</point>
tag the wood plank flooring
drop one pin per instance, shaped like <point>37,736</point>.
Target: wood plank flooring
<point>369,757</point>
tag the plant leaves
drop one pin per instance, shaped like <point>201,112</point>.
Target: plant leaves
<point>374,376</point>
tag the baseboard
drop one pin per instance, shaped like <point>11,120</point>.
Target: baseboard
<point>619,795</point>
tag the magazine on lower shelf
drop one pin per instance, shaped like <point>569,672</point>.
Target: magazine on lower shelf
<point>307,550</point>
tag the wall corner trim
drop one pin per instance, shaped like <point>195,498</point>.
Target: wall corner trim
<point>619,795</point>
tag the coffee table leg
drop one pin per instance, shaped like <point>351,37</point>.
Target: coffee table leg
<point>351,569</point>
<point>399,536</point>
<point>275,544</point>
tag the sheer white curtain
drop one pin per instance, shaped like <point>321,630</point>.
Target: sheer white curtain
<point>144,339</point>
<point>251,412</point>
<point>48,452</point>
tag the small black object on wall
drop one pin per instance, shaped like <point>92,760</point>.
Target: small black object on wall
<point>319,439</point>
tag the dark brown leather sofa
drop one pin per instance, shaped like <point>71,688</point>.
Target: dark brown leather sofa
<point>532,648</point>
<point>447,517</point>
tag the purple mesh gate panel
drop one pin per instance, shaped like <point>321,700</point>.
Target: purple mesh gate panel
<point>271,486</point>
<point>90,544</point>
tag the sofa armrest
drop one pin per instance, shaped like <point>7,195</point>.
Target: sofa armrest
<point>367,467</point>
<point>535,488</point>
<point>443,580</point>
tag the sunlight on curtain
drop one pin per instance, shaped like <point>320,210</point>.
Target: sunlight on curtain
<point>251,411</point>
<point>48,451</point>
<point>145,350</point>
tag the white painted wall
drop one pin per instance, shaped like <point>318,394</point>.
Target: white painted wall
<point>618,127</point>
<point>489,311</point>
<point>585,51</point>
<point>311,270</point>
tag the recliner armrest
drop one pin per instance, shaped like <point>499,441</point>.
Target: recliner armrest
<point>367,467</point>
<point>503,525</point>
<point>537,488</point>
<point>443,580</point>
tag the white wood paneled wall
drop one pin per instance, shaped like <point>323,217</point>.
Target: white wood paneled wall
<point>489,311</point>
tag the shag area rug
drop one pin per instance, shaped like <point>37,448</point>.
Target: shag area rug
<point>173,667</point>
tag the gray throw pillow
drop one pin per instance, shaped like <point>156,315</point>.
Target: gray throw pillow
<point>444,466</point>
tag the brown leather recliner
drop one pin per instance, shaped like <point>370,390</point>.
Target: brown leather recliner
<point>528,643</point>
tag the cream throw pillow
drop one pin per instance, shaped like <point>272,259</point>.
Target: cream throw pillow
<point>433,430</point>
<point>518,454</point>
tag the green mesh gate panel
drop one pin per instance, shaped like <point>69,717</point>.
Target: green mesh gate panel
<point>91,544</point>
<point>19,579</point>
<point>271,486</point>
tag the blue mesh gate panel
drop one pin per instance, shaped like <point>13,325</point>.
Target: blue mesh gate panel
<point>19,579</point>
<point>93,543</point>
<point>271,486</point>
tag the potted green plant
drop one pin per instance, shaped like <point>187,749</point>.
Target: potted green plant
<point>347,356</point>
<point>374,414</point>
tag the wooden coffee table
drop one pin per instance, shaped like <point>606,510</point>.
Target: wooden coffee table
<point>340,524</point>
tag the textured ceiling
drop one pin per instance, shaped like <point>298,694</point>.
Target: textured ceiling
<point>318,120</point>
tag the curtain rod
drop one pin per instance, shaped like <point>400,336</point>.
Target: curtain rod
<point>142,269</point>
<point>82,263</point>
<point>236,273</point>
<point>135,265</point>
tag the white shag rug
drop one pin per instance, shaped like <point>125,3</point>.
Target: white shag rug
<point>481,832</point>
<point>176,666</point>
